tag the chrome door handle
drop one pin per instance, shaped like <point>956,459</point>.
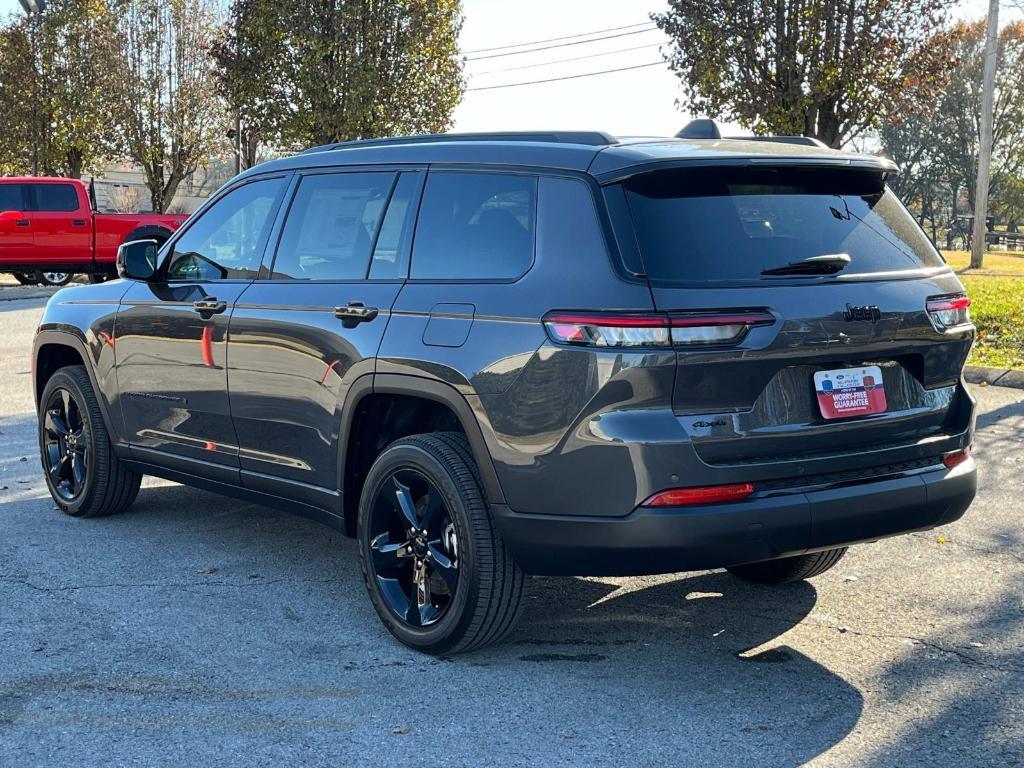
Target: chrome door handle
<point>354,313</point>
<point>21,223</point>
<point>209,306</point>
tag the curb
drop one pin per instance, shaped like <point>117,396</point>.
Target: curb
<point>996,377</point>
<point>25,292</point>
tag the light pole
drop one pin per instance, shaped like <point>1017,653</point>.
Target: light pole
<point>34,10</point>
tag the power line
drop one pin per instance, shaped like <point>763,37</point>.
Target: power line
<point>556,39</point>
<point>567,77</point>
<point>560,45</point>
<point>574,58</point>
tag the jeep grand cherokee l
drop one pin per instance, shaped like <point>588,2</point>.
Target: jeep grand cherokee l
<point>492,355</point>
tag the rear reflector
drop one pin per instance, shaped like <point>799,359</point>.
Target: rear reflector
<point>599,329</point>
<point>712,494</point>
<point>948,311</point>
<point>956,458</point>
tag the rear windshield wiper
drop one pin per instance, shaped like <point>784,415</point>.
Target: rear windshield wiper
<point>828,264</point>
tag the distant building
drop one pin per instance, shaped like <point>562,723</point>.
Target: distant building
<point>121,188</point>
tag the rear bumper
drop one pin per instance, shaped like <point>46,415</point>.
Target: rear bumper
<point>763,527</point>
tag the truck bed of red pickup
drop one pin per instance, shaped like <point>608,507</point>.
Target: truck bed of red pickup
<point>47,224</point>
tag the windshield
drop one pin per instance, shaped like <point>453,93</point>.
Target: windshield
<point>726,224</point>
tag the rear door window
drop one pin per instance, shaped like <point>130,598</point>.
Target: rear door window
<point>727,225</point>
<point>55,197</point>
<point>475,226</point>
<point>332,226</point>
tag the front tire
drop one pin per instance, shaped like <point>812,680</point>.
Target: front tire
<point>438,573</point>
<point>25,279</point>
<point>84,475</point>
<point>54,279</point>
<point>787,569</point>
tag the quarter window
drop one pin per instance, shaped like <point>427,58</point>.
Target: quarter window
<point>475,226</point>
<point>226,243</point>
<point>331,226</point>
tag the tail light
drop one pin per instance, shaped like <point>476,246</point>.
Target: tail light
<point>711,494</point>
<point>605,329</point>
<point>948,311</point>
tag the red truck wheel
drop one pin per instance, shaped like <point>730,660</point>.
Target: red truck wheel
<point>55,279</point>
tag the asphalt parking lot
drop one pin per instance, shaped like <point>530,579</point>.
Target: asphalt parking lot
<point>196,630</point>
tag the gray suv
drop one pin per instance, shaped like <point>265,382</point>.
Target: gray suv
<point>493,355</point>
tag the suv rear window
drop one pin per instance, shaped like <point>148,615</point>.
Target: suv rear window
<point>724,224</point>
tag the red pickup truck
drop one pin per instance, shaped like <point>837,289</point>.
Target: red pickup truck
<point>49,230</point>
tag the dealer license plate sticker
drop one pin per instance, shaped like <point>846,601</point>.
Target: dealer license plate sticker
<point>850,392</point>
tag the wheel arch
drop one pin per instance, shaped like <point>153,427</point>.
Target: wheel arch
<point>149,232</point>
<point>433,401</point>
<point>56,349</point>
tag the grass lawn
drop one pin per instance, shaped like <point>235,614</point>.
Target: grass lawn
<point>997,306</point>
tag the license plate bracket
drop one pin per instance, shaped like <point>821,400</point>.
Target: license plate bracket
<point>846,392</point>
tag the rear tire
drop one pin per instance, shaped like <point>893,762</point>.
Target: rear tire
<point>25,279</point>
<point>789,569</point>
<point>455,587</point>
<point>84,475</point>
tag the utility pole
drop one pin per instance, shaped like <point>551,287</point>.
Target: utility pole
<point>985,148</point>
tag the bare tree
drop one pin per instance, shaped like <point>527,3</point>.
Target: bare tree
<point>170,103</point>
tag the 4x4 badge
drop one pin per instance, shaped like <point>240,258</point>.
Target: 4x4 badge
<point>870,312</point>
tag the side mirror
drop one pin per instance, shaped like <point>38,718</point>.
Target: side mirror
<point>11,215</point>
<point>137,260</point>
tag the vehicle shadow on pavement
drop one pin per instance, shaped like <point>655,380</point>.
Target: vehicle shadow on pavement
<point>694,666</point>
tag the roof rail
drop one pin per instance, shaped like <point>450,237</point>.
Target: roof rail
<point>589,138</point>
<point>807,141</point>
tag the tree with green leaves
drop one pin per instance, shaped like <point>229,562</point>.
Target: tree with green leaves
<point>79,61</point>
<point>16,98</point>
<point>304,72</point>
<point>171,115</point>
<point>72,85</point>
<point>830,69</point>
<point>257,95</point>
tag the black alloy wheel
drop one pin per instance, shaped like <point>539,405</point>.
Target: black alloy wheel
<point>413,548</point>
<point>437,571</point>
<point>82,471</point>
<point>66,439</point>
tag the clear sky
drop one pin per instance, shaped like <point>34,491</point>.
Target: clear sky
<point>636,101</point>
